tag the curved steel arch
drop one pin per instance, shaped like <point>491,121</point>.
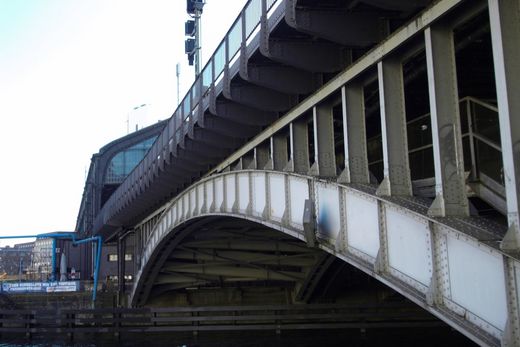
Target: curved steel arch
<point>442,264</point>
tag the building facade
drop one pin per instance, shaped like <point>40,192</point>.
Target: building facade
<point>15,261</point>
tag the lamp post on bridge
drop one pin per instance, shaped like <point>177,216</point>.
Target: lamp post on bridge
<point>128,117</point>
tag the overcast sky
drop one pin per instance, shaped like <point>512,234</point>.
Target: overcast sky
<point>71,72</point>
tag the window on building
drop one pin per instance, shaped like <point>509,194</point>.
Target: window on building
<point>125,161</point>
<point>113,257</point>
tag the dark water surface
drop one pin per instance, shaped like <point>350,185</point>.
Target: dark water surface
<point>311,338</point>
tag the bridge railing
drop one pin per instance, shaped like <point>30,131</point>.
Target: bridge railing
<point>481,151</point>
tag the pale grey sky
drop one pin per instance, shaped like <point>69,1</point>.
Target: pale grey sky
<point>70,74</point>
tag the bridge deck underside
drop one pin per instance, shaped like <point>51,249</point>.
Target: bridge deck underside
<point>295,49</point>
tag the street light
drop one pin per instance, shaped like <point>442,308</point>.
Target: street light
<point>128,117</point>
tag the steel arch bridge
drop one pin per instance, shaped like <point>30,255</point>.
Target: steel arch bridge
<point>429,260</point>
<point>378,164</point>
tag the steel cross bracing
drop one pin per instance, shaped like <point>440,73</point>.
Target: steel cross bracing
<point>432,248</point>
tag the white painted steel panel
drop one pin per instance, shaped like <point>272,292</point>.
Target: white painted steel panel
<point>299,188</point>
<point>164,227</point>
<point>243,192</point>
<point>328,210</point>
<point>230,192</point>
<point>173,212</point>
<point>277,195</point>
<point>158,230</point>
<point>258,193</point>
<point>362,223</point>
<point>477,281</point>
<point>181,208</point>
<point>178,207</point>
<point>200,197</point>
<point>186,205</point>
<point>219,193</point>
<point>409,246</point>
<point>209,194</point>
<point>193,202</point>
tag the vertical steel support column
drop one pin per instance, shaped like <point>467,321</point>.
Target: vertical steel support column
<point>434,296</point>
<point>99,242</point>
<point>119,266</point>
<point>123,267</point>
<point>137,248</point>
<point>396,179</point>
<point>279,151</point>
<point>511,335</point>
<point>324,154</point>
<point>197,42</point>
<point>504,18</point>
<point>344,177</point>
<point>53,260</point>
<point>121,251</point>
<point>381,262</point>
<point>290,164</point>
<point>450,190</point>
<point>300,147</point>
<point>356,161</point>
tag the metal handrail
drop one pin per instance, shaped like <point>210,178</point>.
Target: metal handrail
<point>470,132</point>
<point>476,174</point>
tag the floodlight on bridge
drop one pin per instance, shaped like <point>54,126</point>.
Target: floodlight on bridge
<point>189,28</point>
<point>189,46</point>
<point>190,50</point>
<point>192,6</point>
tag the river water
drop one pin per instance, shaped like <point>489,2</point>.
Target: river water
<point>311,338</point>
